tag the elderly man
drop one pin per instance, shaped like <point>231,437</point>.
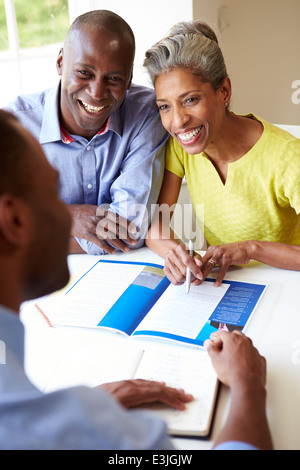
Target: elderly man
<point>102,133</point>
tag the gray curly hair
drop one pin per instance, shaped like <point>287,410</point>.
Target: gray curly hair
<point>191,45</point>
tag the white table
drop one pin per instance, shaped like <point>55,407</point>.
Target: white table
<point>274,329</point>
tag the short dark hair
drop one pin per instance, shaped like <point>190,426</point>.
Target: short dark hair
<point>103,19</point>
<point>13,152</point>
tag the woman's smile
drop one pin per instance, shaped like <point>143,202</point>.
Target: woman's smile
<point>190,110</point>
<point>190,136</point>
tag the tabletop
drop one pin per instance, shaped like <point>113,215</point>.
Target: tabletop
<point>274,330</point>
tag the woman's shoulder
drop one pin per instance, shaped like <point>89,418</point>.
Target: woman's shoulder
<point>276,132</point>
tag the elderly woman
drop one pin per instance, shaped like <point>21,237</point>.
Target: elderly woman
<point>244,171</point>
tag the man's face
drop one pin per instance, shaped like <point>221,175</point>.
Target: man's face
<point>45,264</point>
<point>96,70</point>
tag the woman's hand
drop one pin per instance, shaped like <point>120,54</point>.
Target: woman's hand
<point>223,256</point>
<point>177,261</point>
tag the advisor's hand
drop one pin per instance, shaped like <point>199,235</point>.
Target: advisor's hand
<point>131,393</point>
<point>236,361</point>
<point>239,365</point>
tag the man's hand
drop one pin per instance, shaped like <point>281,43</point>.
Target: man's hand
<point>131,393</point>
<point>100,226</point>
<point>236,361</point>
<point>239,365</point>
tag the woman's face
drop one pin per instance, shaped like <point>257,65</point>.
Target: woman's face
<point>191,110</point>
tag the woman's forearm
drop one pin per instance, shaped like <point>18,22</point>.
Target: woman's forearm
<point>159,243</point>
<point>160,237</point>
<point>275,254</point>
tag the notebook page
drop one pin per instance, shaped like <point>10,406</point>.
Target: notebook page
<point>95,364</point>
<point>191,370</point>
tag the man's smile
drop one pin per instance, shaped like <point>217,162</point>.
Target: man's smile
<point>90,108</point>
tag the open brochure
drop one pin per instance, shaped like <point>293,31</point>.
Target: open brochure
<point>136,299</point>
<point>184,367</point>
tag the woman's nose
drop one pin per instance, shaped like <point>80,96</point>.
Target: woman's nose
<point>179,118</point>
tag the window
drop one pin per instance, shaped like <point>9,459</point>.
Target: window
<point>31,34</point>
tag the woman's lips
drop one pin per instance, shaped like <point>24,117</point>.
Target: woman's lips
<point>189,137</point>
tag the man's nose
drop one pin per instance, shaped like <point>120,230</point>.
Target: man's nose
<point>98,89</point>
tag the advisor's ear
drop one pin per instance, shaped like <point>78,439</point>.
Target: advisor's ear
<point>16,222</point>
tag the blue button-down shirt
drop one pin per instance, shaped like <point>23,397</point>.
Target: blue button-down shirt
<point>122,167</point>
<point>75,418</point>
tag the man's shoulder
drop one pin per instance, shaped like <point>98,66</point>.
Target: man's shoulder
<point>142,96</point>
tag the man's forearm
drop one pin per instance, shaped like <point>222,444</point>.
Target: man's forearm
<point>247,420</point>
<point>74,247</point>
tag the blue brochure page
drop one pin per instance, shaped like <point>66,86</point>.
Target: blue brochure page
<point>234,310</point>
<point>191,318</point>
<point>110,294</point>
<point>139,297</point>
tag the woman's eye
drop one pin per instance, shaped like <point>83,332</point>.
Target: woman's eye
<point>192,100</point>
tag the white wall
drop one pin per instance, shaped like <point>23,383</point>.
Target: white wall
<point>260,40</point>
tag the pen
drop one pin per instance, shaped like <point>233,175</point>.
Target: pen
<point>188,272</point>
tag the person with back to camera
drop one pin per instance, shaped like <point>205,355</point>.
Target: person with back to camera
<point>102,133</point>
<point>34,237</point>
<point>244,171</point>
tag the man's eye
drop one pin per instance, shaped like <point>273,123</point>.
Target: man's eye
<point>114,78</point>
<point>83,73</point>
<point>163,107</point>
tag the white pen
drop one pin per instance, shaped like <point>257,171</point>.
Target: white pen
<point>188,272</point>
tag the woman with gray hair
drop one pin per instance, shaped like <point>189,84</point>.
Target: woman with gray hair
<point>242,170</point>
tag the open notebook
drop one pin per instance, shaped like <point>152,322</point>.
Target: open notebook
<point>184,367</point>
